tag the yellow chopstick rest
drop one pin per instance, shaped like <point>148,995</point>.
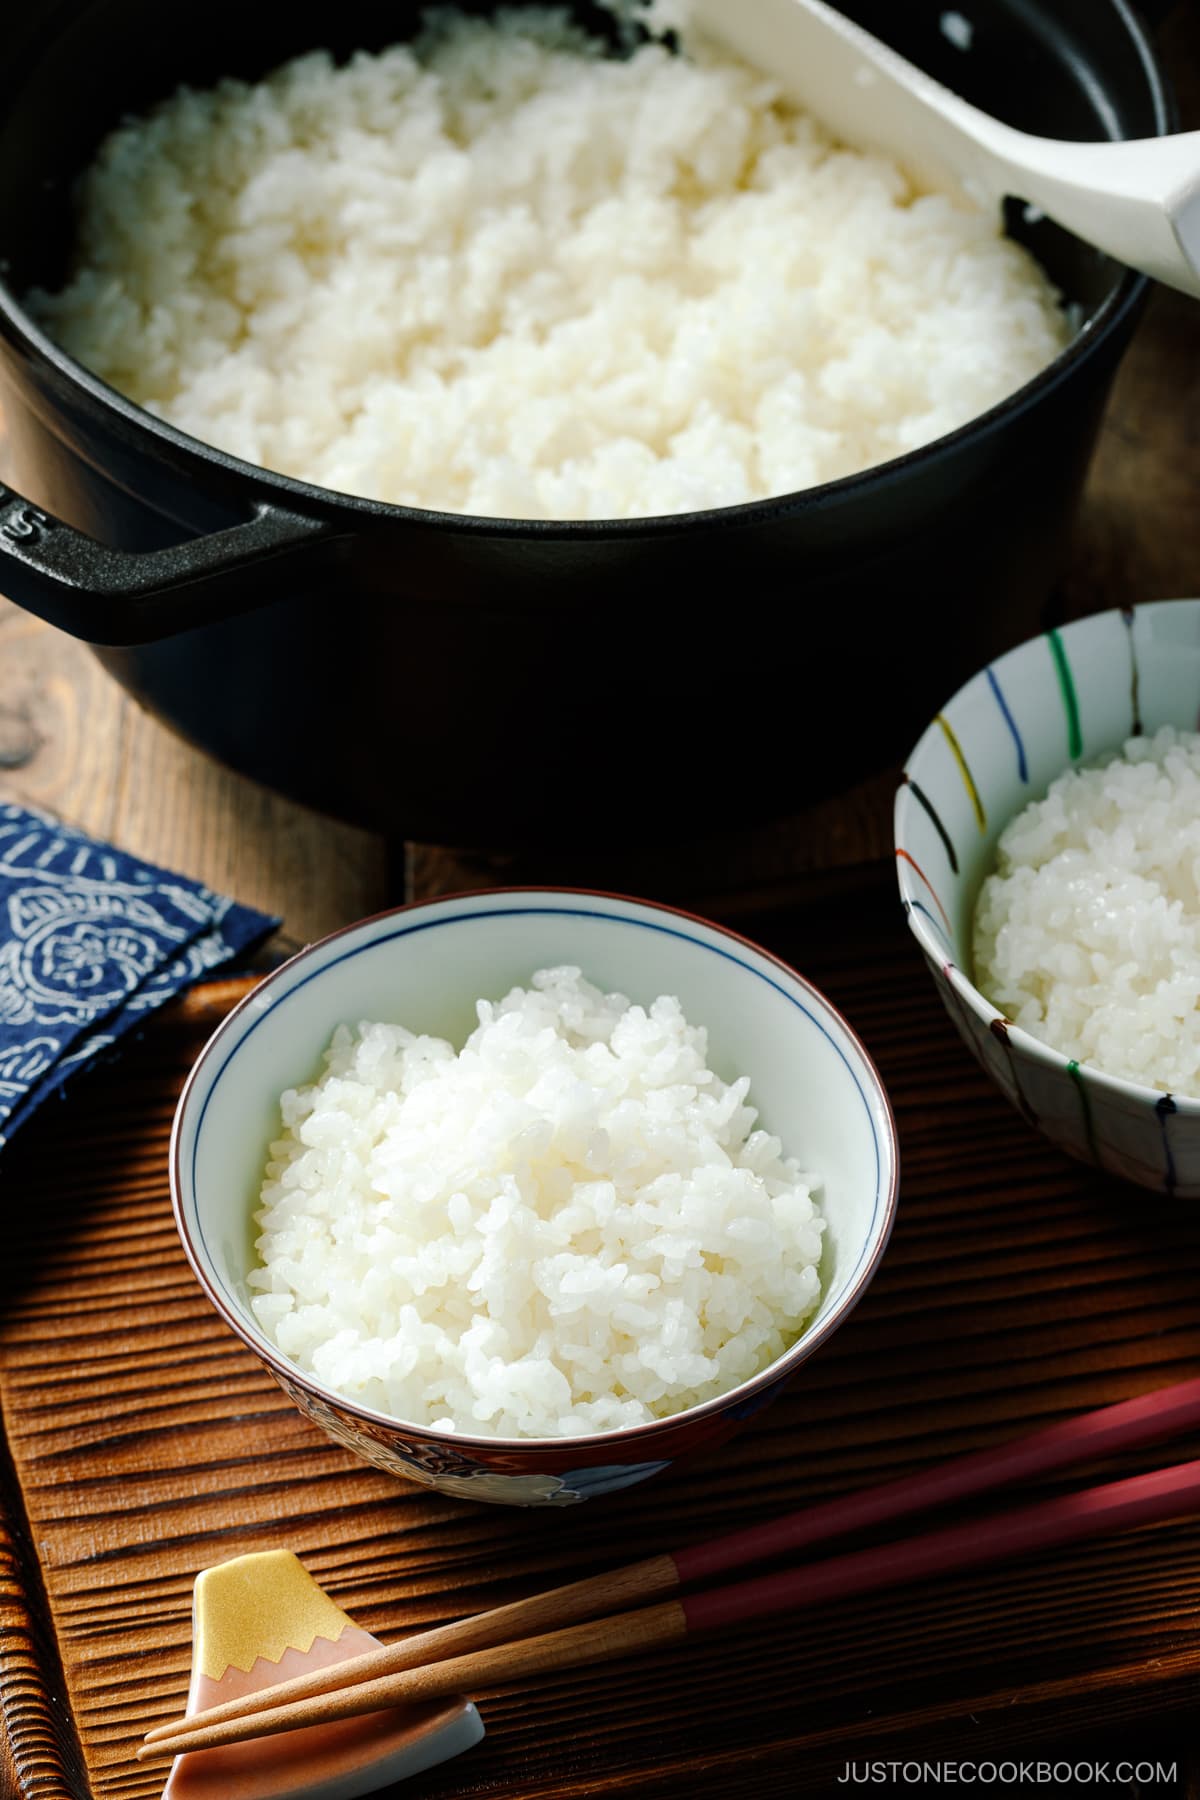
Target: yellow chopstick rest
<point>261,1619</point>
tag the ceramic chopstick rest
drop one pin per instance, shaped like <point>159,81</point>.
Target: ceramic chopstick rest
<point>261,1619</point>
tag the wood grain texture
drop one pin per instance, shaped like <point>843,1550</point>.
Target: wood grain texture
<point>147,1443</point>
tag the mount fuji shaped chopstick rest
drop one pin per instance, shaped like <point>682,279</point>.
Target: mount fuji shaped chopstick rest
<point>261,1619</point>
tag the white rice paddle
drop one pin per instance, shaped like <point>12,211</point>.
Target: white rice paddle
<point>1138,199</point>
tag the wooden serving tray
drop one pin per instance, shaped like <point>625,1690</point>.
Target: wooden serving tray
<point>142,1443</point>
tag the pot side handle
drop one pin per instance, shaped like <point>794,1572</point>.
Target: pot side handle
<point>109,596</point>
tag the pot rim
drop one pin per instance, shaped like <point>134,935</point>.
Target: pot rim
<point>812,1336</point>
<point>1118,305</point>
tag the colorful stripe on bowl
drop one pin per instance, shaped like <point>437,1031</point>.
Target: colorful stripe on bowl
<point>1002,703</point>
<point>964,771</point>
<point>1070,698</point>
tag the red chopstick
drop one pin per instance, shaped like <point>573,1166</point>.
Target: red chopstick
<point>1163,1413</point>
<point>1042,1525</point>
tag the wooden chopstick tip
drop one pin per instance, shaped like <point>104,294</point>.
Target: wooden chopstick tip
<point>613,1591</point>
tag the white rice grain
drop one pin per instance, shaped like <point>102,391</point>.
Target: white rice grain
<point>500,272</point>
<point>571,1226</point>
<point>1088,933</point>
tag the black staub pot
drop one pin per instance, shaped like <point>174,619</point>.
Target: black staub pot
<point>463,679</point>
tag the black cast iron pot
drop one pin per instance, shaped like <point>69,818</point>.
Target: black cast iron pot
<point>464,679</point>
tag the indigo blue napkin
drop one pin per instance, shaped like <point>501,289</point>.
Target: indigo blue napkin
<point>91,941</point>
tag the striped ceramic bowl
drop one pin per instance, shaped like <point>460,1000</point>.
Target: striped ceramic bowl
<point>1061,699</point>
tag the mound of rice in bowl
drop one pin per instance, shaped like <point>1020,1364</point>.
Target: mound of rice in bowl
<point>1088,933</point>
<point>569,1226</point>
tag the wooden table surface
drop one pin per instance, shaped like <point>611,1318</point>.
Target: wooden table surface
<point>71,741</point>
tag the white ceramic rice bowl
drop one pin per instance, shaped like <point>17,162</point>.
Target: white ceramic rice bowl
<point>425,966</point>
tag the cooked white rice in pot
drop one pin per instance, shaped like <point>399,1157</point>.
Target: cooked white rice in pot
<point>501,272</point>
<point>1088,933</point>
<point>571,1226</point>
